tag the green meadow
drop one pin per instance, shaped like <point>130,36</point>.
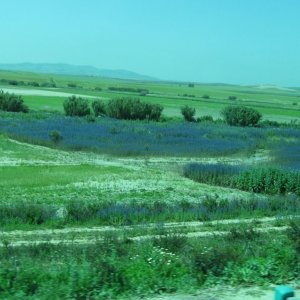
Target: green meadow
<point>275,103</point>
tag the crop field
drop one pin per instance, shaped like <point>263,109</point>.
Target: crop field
<point>131,209</point>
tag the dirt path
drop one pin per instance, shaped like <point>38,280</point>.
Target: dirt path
<point>93,239</point>
<point>37,92</point>
<point>172,225</point>
<point>85,235</point>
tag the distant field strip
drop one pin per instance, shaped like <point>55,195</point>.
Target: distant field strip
<point>37,92</point>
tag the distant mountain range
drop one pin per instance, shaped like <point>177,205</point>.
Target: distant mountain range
<point>67,69</point>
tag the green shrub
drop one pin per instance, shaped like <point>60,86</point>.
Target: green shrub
<point>205,119</point>
<point>13,82</point>
<point>76,106</point>
<point>98,108</point>
<point>90,118</point>
<point>128,90</point>
<point>205,96</point>
<point>232,98</point>
<point>12,103</point>
<point>49,84</point>
<point>293,233</point>
<point>55,136</point>
<point>241,116</point>
<point>133,109</point>
<point>33,83</point>
<point>72,85</point>
<point>188,113</point>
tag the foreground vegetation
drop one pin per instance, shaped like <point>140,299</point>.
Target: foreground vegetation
<point>95,207</point>
<point>116,267</point>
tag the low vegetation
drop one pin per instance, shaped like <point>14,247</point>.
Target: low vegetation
<point>128,89</point>
<point>116,267</point>
<point>258,180</point>
<point>150,203</point>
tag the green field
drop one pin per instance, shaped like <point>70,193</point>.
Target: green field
<point>275,103</point>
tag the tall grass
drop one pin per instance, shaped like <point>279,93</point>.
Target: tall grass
<point>78,212</point>
<point>267,180</point>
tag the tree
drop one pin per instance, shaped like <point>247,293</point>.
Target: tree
<point>76,106</point>
<point>188,113</point>
<point>241,116</point>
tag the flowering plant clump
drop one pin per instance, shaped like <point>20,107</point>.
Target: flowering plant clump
<point>157,269</point>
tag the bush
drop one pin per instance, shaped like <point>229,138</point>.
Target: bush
<point>191,85</point>
<point>133,109</point>
<point>128,90</point>
<point>49,84</point>
<point>98,108</point>
<point>72,85</point>
<point>13,82</point>
<point>205,96</point>
<point>12,103</point>
<point>269,123</point>
<point>232,98</point>
<point>33,83</point>
<point>76,106</point>
<point>205,119</point>
<point>241,116</point>
<point>90,118</point>
<point>55,136</point>
<point>188,113</point>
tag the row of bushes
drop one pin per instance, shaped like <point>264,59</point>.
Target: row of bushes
<point>14,82</point>
<point>128,89</point>
<point>233,115</point>
<point>123,108</point>
<point>257,180</point>
<point>12,103</point>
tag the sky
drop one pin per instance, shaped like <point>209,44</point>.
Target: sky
<point>228,41</point>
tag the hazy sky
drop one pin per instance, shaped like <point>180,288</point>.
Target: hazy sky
<point>231,41</point>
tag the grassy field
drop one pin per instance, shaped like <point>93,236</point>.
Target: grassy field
<point>121,209</point>
<point>275,103</point>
